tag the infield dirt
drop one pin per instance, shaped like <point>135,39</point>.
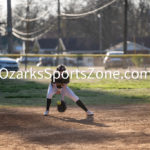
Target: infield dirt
<point>113,128</point>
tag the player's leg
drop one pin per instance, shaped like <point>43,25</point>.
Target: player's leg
<point>51,91</point>
<point>80,104</point>
<point>69,93</point>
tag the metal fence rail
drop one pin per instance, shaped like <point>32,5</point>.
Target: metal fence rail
<point>73,55</point>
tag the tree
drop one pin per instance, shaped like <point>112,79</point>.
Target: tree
<point>112,22</point>
<point>31,20</point>
<point>144,18</point>
<point>36,47</point>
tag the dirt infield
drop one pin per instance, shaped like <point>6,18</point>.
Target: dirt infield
<point>113,128</point>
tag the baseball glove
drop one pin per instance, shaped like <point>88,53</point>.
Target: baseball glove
<point>61,106</point>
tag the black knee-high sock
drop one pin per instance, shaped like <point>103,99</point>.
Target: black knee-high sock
<point>48,104</point>
<point>80,104</point>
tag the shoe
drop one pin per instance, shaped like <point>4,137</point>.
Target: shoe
<point>46,113</point>
<point>89,113</point>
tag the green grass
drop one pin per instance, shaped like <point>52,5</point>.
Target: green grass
<point>91,92</point>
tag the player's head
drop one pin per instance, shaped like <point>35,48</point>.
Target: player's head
<point>61,68</point>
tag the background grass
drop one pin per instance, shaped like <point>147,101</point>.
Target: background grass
<point>91,92</point>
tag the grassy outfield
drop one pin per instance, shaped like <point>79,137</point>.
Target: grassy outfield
<point>91,92</point>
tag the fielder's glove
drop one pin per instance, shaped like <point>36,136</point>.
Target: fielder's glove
<point>61,106</point>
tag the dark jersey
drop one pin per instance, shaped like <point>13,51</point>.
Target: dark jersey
<point>63,79</point>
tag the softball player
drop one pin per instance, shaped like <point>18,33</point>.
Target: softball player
<point>59,86</point>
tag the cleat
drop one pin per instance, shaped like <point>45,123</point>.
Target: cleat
<point>89,113</point>
<point>46,113</point>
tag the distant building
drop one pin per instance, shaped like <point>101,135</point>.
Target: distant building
<point>132,48</point>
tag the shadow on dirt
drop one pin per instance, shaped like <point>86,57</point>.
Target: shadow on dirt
<point>35,128</point>
<point>88,121</point>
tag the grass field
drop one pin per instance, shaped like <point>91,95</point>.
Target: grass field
<point>92,92</point>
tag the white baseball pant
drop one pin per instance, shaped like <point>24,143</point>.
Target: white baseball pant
<point>64,91</point>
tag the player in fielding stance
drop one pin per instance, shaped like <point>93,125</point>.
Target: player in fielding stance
<point>59,86</point>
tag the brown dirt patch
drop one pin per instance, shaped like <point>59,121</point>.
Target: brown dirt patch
<point>113,128</point>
